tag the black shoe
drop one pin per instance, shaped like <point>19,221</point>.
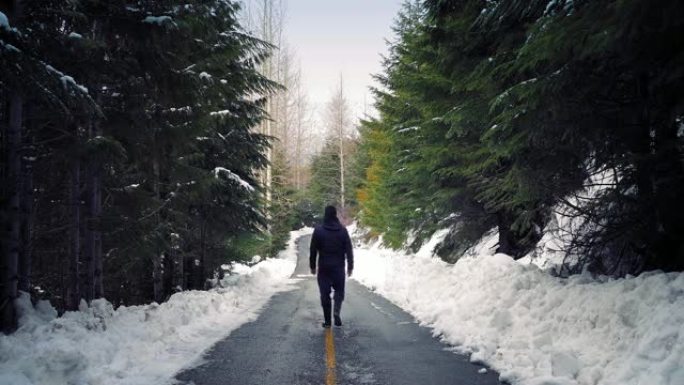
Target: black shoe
<point>326,325</point>
<point>338,321</point>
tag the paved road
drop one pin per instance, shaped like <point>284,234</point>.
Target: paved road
<point>378,344</point>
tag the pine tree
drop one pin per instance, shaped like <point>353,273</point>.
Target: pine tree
<point>139,146</point>
<point>502,112</point>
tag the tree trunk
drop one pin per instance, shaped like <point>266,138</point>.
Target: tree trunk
<point>298,145</point>
<point>88,291</point>
<point>25,258</point>
<point>203,251</point>
<point>158,275</point>
<point>301,110</point>
<point>93,244</point>
<point>341,136</point>
<point>10,262</point>
<point>341,174</point>
<point>98,288</point>
<point>268,72</point>
<point>74,295</point>
<point>178,265</point>
<point>641,147</point>
<point>157,258</point>
<point>157,281</point>
<point>669,190</point>
<point>95,196</point>
<point>505,234</point>
<point>180,271</point>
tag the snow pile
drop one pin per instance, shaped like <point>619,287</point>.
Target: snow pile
<point>549,254</point>
<point>555,252</point>
<point>428,248</point>
<point>536,329</point>
<point>487,244</point>
<point>139,344</point>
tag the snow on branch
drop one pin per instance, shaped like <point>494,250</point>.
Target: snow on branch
<point>231,175</point>
<point>66,79</point>
<point>221,113</point>
<point>158,20</point>
<point>407,129</point>
<point>181,110</point>
<point>9,47</point>
<point>4,22</point>
<point>189,68</point>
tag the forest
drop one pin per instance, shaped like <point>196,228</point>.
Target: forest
<point>129,153</point>
<point>499,114</point>
<point>145,144</point>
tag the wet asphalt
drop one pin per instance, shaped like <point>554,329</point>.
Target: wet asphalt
<point>378,344</point>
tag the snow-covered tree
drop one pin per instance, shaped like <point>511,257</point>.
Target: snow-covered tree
<point>133,134</point>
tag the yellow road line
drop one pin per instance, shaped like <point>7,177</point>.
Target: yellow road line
<point>330,378</point>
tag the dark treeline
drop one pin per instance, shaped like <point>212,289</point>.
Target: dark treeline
<point>128,154</point>
<point>497,113</point>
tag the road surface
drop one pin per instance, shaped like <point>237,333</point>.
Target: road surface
<point>378,344</point>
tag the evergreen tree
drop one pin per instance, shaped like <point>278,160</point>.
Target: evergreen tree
<point>500,112</point>
<point>138,146</point>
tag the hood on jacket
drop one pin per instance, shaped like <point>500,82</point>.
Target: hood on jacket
<point>330,221</point>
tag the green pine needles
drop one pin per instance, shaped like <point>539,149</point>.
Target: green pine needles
<point>496,114</point>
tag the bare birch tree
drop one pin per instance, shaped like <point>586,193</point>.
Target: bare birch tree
<point>290,114</point>
<point>338,124</point>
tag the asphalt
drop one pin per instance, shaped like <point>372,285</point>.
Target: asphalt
<point>378,344</point>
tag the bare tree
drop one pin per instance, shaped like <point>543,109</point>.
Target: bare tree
<point>299,129</point>
<point>338,124</point>
<point>290,115</point>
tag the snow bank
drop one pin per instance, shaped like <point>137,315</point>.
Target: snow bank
<point>139,344</point>
<point>554,251</point>
<point>536,329</point>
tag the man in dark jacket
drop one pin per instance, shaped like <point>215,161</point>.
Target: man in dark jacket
<point>331,242</point>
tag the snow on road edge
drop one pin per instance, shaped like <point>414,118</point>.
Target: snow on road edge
<point>536,329</point>
<point>137,345</point>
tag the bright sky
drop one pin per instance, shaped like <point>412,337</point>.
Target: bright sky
<point>333,37</point>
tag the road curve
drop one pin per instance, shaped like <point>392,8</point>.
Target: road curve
<point>378,344</point>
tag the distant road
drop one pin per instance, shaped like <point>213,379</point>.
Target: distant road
<point>378,344</point>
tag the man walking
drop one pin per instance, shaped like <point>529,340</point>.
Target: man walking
<point>331,242</point>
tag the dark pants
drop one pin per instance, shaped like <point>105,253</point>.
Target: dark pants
<point>331,278</point>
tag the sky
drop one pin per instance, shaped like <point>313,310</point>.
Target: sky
<point>339,37</point>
